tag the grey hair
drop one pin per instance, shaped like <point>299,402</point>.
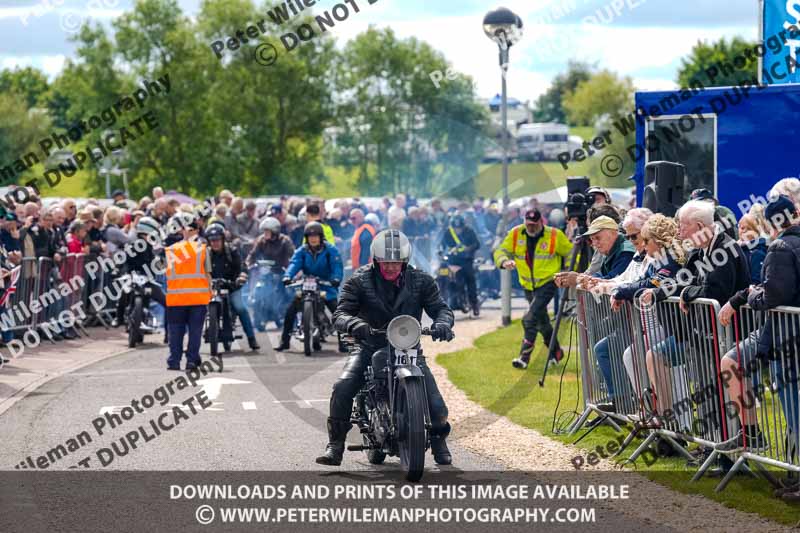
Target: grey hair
<point>788,186</point>
<point>697,211</point>
<point>637,217</point>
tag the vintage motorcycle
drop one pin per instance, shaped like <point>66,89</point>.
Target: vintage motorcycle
<point>139,318</point>
<point>314,325</point>
<point>268,297</point>
<point>220,320</point>
<point>391,409</point>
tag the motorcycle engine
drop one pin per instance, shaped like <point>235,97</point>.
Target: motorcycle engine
<point>380,422</point>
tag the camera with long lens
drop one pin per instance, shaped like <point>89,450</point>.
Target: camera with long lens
<point>578,201</point>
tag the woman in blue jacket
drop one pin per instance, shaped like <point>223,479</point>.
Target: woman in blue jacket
<point>318,259</point>
<point>753,245</point>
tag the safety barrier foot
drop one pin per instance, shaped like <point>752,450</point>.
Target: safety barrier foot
<point>643,446</point>
<point>705,466</point>
<point>724,483</point>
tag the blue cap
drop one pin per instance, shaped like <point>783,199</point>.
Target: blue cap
<point>780,210</point>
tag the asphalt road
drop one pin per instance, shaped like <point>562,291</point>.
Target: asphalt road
<point>268,413</point>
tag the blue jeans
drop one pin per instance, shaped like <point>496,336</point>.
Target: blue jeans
<point>241,311</point>
<point>603,356</point>
<point>179,319</point>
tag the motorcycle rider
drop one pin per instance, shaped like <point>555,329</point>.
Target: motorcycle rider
<point>377,292</point>
<point>315,258</point>
<point>271,245</point>
<point>148,231</point>
<point>461,242</point>
<point>226,263</point>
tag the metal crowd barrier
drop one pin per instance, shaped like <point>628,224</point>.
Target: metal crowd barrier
<point>26,288</point>
<point>665,368</point>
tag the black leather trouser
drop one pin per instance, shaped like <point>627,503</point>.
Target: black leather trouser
<point>352,379</point>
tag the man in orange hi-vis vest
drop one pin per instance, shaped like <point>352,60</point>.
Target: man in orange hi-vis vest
<point>188,293</point>
<point>362,239</point>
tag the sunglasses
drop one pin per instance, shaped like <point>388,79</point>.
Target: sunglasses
<point>632,236</point>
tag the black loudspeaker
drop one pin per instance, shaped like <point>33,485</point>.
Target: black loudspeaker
<point>663,187</point>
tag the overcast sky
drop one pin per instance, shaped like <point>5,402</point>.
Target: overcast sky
<point>645,41</point>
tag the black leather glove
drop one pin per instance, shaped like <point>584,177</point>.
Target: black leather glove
<point>360,331</point>
<point>286,281</point>
<point>442,332</point>
<point>336,282</point>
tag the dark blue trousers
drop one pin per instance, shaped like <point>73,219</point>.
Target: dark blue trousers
<point>179,319</point>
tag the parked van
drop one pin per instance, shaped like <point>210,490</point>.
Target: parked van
<point>542,142</point>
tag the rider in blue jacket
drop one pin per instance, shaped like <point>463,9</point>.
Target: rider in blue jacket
<point>318,259</point>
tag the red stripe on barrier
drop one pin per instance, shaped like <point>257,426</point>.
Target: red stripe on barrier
<point>719,381</point>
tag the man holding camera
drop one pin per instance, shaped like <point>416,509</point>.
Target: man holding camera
<point>537,253</point>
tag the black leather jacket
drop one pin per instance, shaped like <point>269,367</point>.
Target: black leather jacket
<point>366,297</point>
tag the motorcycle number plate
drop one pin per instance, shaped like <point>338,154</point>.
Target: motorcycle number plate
<point>444,271</point>
<point>310,285</point>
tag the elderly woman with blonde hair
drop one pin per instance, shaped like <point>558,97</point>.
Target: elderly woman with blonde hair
<point>113,234</point>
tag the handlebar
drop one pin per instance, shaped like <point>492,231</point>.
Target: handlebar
<point>375,332</point>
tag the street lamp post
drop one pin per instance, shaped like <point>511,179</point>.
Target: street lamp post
<point>505,28</point>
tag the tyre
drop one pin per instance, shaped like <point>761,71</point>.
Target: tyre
<point>213,328</point>
<point>410,414</point>
<point>308,326</point>
<point>375,457</point>
<point>134,321</point>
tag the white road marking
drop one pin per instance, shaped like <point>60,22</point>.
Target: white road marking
<point>28,358</point>
<point>213,386</point>
<point>304,404</point>
<point>249,406</point>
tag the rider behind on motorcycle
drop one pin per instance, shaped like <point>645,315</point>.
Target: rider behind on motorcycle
<point>272,245</point>
<point>461,243</point>
<point>226,263</point>
<point>147,230</point>
<point>371,298</point>
<point>315,258</point>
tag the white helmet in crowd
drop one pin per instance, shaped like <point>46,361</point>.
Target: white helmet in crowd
<point>391,245</point>
<point>147,226</point>
<point>272,224</point>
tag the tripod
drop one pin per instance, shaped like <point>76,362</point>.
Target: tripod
<point>582,249</point>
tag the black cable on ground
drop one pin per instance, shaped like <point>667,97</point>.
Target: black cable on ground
<point>562,422</point>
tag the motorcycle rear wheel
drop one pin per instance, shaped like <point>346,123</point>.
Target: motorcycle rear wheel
<point>410,413</point>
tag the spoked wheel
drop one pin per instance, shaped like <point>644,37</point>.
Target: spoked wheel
<point>410,413</point>
<point>213,328</point>
<point>135,322</point>
<point>375,457</point>
<point>308,326</point>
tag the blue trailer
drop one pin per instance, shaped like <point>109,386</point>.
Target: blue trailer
<point>735,141</point>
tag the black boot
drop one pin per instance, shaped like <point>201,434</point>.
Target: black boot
<point>441,454</point>
<point>253,344</point>
<point>337,432</point>
<point>284,345</point>
<point>524,357</point>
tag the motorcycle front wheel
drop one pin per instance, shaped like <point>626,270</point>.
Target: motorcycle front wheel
<point>308,326</point>
<point>213,328</point>
<point>410,414</point>
<point>135,322</point>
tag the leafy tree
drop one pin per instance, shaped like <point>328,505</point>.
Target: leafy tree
<point>548,107</point>
<point>704,56</point>
<point>20,129</point>
<point>604,93</point>
<point>28,82</point>
<point>399,129</point>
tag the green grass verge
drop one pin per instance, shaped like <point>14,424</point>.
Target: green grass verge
<point>485,374</point>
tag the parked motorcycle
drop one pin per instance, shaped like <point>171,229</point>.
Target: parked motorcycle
<point>139,319</point>
<point>268,297</point>
<point>220,320</point>
<point>313,322</point>
<point>391,409</point>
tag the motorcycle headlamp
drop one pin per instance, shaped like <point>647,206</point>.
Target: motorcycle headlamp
<point>404,332</point>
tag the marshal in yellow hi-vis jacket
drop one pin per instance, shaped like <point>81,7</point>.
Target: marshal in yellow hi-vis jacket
<point>551,248</point>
